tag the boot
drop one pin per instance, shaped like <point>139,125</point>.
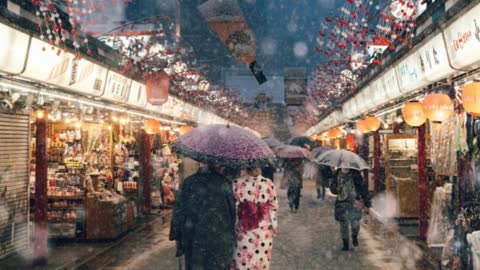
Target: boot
<point>355,240</point>
<point>345,245</point>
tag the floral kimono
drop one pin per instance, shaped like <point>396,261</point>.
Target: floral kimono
<point>257,205</point>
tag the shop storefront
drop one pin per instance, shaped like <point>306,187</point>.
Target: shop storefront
<point>429,165</point>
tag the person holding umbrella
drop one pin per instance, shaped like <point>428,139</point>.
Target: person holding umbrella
<point>204,215</point>
<point>351,190</point>
<point>293,174</point>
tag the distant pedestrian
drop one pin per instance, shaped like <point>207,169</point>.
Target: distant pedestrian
<point>203,222</point>
<point>322,180</point>
<point>293,178</point>
<point>256,203</point>
<point>352,197</point>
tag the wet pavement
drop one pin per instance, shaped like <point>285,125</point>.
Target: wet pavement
<point>308,239</point>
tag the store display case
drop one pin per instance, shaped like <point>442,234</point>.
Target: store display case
<point>106,215</point>
<point>401,182</point>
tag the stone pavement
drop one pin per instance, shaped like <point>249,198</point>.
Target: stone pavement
<point>308,239</point>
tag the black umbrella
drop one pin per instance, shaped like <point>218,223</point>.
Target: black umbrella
<point>301,141</point>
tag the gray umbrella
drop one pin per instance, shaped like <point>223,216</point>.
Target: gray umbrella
<point>342,159</point>
<point>316,152</point>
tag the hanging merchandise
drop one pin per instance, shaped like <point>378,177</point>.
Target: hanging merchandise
<point>413,114</point>
<point>439,222</point>
<point>471,98</point>
<point>444,147</point>
<point>225,18</point>
<point>437,107</point>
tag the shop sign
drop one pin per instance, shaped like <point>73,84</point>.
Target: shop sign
<point>295,86</point>
<point>410,75</point>
<point>376,93</point>
<point>64,70</point>
<point>137,95</point>
<point>434,59</point>
<point>117,87</point>
<point>390,84</point>
<point>13,49</point>
<point>463,39</point>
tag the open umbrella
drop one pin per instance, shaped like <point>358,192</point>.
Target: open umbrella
<point>291,151</point>
<point>342,159</point>
<point>224,146</point>
<point>273,143</point>
<point>316,152</point>
<point>301,141</point>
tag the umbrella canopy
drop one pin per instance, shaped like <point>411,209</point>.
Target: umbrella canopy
<point>291,151</point>
<point>342,159</point>
<point>318,151</point>
<point>224,146</point>
<point>273,143</point>
<point>301,141</point>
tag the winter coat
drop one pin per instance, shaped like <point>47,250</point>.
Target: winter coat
<point>323,176</point>
<point>203,221</point>
<point>350,189</point>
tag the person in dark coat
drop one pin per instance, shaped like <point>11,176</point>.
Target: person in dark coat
<point>352,198</point>
<point>322,180</point>
<point>203,222</point>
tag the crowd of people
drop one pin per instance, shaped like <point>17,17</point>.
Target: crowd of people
<point>226,218</point>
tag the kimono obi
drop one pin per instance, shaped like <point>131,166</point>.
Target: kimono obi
<point>250,214</point>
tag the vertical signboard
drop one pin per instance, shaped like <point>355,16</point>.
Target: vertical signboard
<point>295,86</point>
<point>13,49</point>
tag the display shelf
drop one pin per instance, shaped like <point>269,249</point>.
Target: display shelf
<point>66,197</point>
<point>61,220</point>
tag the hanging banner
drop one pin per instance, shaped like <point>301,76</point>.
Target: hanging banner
<point>410,75</point>
<point>463,39</point>
<point>295,86</point>
<point>137,95</point>
<point>157,88</point>
<point>13,49</point>
<point>434,59</point>
<point>226,19</point>
<point>116,88</point>
<point>62,69</point>
<point>390,84</point>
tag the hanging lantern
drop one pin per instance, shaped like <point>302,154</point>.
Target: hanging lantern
<point>413,114</point>
<point>471,98</point>
<point>362,126</point>
<point>437,107</point>
<point>351,142</point>
<point>372,123</point>
<point>185,129</point>
<point>334,133</point>
<point>157,88</point>
<point>151,126</point>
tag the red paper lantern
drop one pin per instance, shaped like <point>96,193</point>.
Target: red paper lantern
<point>362,126</point>
<point>471,98</point>
<point>157,88</point>
<point>413,114</point>
<point>372,123</point>
<point>437,107</point>
<point>151,126</point>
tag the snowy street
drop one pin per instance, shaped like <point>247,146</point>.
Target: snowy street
<point>309,239</point>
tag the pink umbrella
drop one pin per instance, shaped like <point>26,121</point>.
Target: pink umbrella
<point>224,146</point>
<point>291,151</point>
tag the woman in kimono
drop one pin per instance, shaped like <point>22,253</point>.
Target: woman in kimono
<point>256,204</point>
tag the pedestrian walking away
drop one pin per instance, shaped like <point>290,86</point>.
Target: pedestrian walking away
<point>352,198</point>
<point>293,179</point>
<point>257,206</point>
<point>203,222</point>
